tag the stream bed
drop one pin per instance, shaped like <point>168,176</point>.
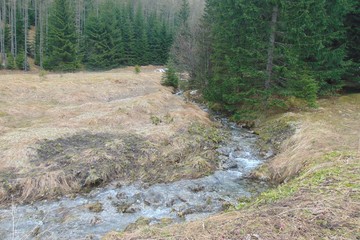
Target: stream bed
<point>116,207</point>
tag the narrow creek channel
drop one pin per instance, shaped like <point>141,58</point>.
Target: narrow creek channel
<point>121,206</point>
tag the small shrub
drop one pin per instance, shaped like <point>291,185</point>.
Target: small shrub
<point>168,119</point>
<point>43,74</point>
<point>294,103</point>
<point>155,120</point>
<point>170,78</point>
<point>305,88</point>
<point>20,61</point>
<point>137,69</point>
<point>10,64</point>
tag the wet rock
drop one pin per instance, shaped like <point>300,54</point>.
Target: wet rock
<point>36,231</point>
<point>95,220</point>
<point>153,199</point>
<point>236,154</point>
<point>90,237</point>
<point>138,197</point>
<point>127,208</point>
<point>268,154</point>
<point>95,207</point>
<point>173,201</point>
<point>125,203</point>
<point>188,210</point>
<point>228,164</point>
<point>197,188</point>
<point>124,198</point>
<point>132,209</point>
<point>223,159</point>
<point>226,206</point>
<point>224,151</point>
<point>121,196</point>
<point>170,203</point>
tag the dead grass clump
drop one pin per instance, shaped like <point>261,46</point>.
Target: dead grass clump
<point>47,185</point>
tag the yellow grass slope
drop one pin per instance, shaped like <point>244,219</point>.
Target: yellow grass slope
<point>61,133</point>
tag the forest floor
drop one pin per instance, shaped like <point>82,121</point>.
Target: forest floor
<point>61,134</point>
<point>318,167</point>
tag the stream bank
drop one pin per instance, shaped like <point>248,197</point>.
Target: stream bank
<point>116,207</point>
<point>319,197</point>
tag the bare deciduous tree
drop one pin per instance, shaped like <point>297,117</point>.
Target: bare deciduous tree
<point>2,31</point>
<point>26,26</point>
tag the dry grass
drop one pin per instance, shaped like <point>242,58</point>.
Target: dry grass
<point>37,109</point>
<point>335,126</point>
<point>319,198</point>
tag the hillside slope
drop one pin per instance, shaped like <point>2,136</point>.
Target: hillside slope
<point>67,133</point>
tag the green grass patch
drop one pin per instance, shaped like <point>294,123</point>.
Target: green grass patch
<point>335,175</point>
<point>209,133</point>
<point>3,114</point>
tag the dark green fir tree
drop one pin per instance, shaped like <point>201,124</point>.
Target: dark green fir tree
<point>62,52</point>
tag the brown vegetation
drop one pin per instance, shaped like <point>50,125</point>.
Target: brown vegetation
<point>65,133</point>
<point>319,167</point>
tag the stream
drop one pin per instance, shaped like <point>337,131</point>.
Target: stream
<point>184,200</point>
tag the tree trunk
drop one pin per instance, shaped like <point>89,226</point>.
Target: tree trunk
<point>79,8</point>
<point>15,20</point>
<point>270,61</point>
<point>41,26</point>
<point>36,25</point>
<point>97,8</point>
<point>26,20</point>
<point>2,32</point>
<point>11,23</point>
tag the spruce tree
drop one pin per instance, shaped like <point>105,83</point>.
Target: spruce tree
<point>129,42</point>
<point>141,42</point>
<point>95,48</point>
<point>153,35</point>
<point>62,52</point>
<point>103,40</point>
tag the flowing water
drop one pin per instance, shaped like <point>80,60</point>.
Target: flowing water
<point>182,200</point>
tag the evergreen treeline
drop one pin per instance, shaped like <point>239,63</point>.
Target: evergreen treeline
<point>71,34</point>
<point>253,55</point>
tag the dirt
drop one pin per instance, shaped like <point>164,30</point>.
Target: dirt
<point>62,134</point>
<point>318,172</point>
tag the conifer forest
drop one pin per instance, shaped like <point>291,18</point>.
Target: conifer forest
<point>244,55</point>
<point>67,35</point>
